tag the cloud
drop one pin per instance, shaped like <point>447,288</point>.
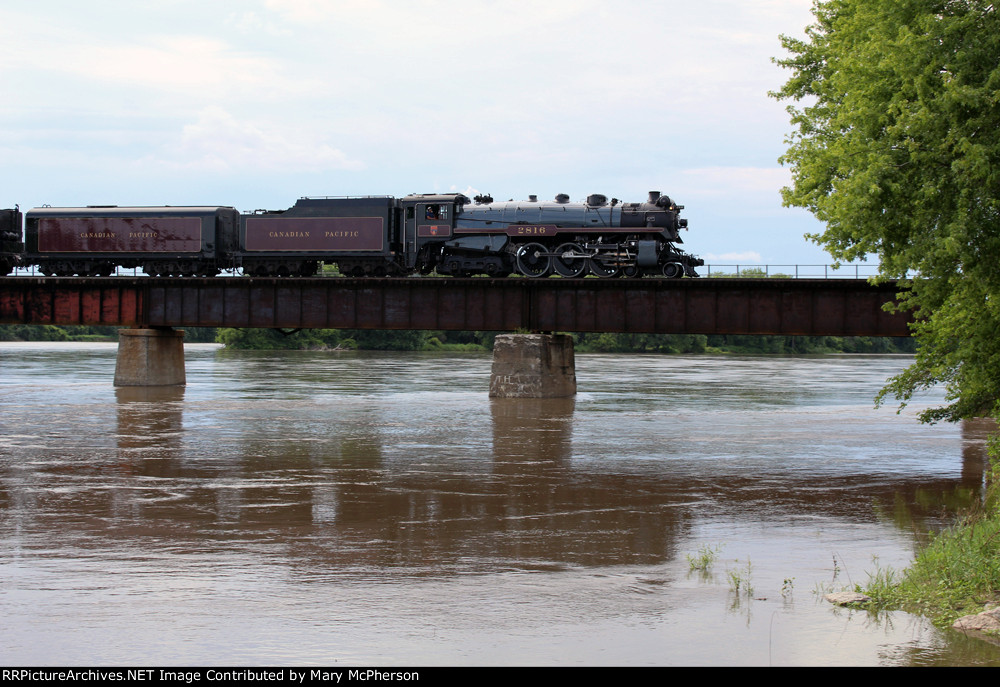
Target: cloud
<point>173,62</point>
<point>562,57</point>
<point>220,142</point>
<point>150,62</point>
<point>309,11</point>
<point>712,181</point>
<point>252,22</point>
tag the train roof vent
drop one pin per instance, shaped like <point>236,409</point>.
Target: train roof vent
<point>597,200</point>
<point>562,198</point>
<point>532,199</point>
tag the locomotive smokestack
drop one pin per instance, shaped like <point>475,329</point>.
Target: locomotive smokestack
<point>653,197</point>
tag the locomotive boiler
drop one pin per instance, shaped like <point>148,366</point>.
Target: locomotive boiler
<point>537,238</point>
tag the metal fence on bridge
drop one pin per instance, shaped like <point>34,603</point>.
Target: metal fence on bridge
<point>745,271</point>
<point>832,271</point>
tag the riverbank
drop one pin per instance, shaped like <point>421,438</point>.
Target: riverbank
<point>957,573</point>
<point>593,342</point>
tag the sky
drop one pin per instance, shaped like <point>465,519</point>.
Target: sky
<point>255,103</point>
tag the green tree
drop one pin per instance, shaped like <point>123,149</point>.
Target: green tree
<point>896,147</point>
<point>273,339</point>
<point>388,339</point>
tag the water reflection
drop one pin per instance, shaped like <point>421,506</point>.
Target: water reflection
<point>150,417</point>
<point>532,429</point>
<point>436,484</point>
<point>975,460</point>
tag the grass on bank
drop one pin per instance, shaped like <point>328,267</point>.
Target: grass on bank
<point>957,573</point>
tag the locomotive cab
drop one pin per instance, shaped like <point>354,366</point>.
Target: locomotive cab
<point>431,243</point>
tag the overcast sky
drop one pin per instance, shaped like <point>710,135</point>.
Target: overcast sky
<point>255,103</point>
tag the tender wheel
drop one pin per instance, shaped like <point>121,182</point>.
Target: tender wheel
<point>672,270</point>
<point>532,260</point>
<point>570,261</point>
<point>603,268</point>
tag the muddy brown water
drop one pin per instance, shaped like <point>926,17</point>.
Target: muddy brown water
<point>379,509</point>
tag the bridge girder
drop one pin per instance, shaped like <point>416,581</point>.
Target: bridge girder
<point>811,307</point>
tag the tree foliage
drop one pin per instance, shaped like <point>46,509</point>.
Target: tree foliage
<point>896,147</point>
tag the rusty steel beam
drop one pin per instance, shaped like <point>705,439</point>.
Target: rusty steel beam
<point>41,300</point>
<point>813,307</point>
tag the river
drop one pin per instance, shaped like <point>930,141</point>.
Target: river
<point>360,508</point>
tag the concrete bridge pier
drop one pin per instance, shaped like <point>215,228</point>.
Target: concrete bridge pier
<point>150,357</point>
<point>533,366</point>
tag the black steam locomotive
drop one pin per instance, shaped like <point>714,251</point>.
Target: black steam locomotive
<point>372,236</point>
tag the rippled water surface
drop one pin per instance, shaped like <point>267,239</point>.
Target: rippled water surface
<point>379,508</point>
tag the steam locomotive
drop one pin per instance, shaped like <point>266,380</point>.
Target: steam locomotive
<point>373,236</point>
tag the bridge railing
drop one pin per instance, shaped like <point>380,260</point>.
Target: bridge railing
<point>841,271</point>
